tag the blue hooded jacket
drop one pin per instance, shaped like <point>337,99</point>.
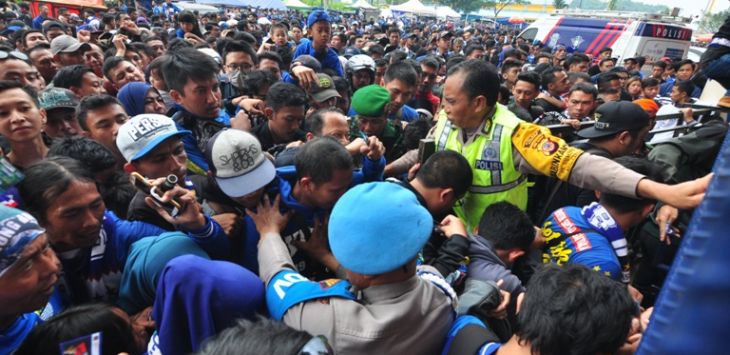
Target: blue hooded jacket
<point>94,273</point>
<point>197,298</point>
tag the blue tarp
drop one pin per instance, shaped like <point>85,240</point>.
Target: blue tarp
<point>264,4</point>
<point>692,313</point>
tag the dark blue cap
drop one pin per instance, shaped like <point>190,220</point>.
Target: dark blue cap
<point>317,15</point>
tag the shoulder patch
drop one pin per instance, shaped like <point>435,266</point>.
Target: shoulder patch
<point>288,288</point>
<point>546,153</point>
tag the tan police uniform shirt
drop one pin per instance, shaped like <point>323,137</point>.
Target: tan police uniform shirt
<point>409,317</point>
<point>588,171</point>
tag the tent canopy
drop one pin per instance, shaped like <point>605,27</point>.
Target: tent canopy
<point>200,8</point>
<point>362,4</point>
<point>296,4</point>
<point>446,12</point>
<point>264,4</point>
<point>414,7</point>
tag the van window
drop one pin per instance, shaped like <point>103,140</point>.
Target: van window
<point>529,34</point>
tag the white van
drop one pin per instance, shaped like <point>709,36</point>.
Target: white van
<point>628,37</point>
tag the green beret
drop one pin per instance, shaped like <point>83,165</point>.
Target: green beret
<point>370,101</point>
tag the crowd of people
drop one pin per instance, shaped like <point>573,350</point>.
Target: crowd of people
<point>273,182</point>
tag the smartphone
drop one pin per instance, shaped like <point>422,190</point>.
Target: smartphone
<point>426,148</point>
<point>172,207</point>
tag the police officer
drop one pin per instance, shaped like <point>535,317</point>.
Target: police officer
<point>375,231</point>
<point>501,149</point>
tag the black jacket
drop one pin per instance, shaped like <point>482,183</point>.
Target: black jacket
<point>266,138</point>
<point>564,194</point>
<point>716,51</point>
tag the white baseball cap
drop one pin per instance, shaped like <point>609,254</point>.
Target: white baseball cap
<point>142,133</point>
<point>239,164</point>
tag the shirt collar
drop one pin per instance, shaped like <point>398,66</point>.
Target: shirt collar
<point>486,125</point>
<point>374,294</point>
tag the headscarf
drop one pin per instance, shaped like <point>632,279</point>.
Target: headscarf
<point>147,258</point>
<point>132,97</point>
<point>197,298</point>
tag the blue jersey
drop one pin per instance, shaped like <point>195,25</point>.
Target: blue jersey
<point>665,89</point>
<point>202,129</point>
<point>99,268</point>
<point>328,58</point>
<point>570,238</point>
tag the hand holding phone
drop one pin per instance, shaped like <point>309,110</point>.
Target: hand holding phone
<point>172,207</point>
<point>177,205</point>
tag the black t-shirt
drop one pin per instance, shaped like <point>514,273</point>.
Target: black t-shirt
<point>266,139</point>
<point>565,194</point>
<point>594,70</point>
<point>548,107</point>
<point>714,52</point>
<point>139,211</point>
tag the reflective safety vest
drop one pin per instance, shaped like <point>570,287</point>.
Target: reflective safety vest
<point>490,157</point>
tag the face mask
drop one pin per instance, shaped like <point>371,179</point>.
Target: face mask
<point>236,79</point>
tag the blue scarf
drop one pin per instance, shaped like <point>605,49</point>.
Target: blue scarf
<point>11,339</point>
<point>198,298</point>
<point>602,222</point>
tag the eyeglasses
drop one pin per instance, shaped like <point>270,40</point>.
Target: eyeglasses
<point>13,54</point>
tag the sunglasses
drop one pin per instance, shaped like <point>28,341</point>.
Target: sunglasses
<point>14,55</point>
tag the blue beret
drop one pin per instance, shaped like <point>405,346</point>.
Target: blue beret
<point>378,227</point>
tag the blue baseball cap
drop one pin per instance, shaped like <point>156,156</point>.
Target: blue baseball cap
<point>378,227</point>
<point>316,16</point>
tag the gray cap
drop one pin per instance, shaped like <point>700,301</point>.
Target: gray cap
<point>324,88</point>
<point>309,62</point>
<point>67,44</point>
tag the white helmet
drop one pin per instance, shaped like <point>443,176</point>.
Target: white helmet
<point>359,62</point>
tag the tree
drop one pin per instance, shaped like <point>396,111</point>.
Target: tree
<point>499,5</point>
<point>711,22</point>
<point>612,4</point>
<point>560,4</point>
<point>463,6</point>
